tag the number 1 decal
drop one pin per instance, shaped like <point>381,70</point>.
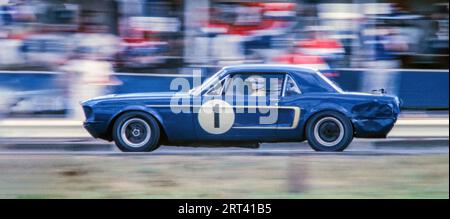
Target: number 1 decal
<point>216,116</point>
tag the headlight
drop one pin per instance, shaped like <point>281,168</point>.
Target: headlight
<point>87,111</point>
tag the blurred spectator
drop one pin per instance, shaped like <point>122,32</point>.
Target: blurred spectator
<point>90,38</point>
<point>310,61</point>
<point>402,35</point>
<point>47,49</point>
<point>89,70</point>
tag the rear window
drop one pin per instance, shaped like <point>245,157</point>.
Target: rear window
<point>312,83</point>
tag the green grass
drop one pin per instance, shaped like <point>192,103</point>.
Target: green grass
<point>58,176</point>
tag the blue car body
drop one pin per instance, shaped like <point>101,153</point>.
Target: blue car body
<point>372,115</point>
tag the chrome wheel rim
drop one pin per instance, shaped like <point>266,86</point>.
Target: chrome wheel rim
<point>135,132</point>
<point>329,131</point>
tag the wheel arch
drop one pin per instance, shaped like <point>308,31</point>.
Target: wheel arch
<point>149,112</point>
<point>336,109</point>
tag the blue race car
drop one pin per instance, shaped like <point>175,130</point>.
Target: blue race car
<point>242,106</point>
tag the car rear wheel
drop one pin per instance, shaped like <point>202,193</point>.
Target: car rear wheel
<point>136,132</point>
<point>329,131</point>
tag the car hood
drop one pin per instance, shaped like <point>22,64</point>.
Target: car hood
<point>132,96</point>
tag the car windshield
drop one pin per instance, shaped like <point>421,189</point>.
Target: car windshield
<point>330,82</point>
<point>207,83</point>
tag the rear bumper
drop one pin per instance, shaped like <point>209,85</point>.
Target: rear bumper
<point>373,128</point>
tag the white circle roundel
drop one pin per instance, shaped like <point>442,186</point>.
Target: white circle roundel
<point>216,116</point>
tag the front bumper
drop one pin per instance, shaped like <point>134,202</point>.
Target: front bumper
<point>95,129</point>
<point>373,128</point>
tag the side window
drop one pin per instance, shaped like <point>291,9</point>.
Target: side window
<point>217,88</point>
<point>236,86</point>
<point>275,83</point>
<point>255,85</point>
<point>291,87</point>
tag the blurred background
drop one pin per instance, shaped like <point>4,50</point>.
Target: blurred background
<point>54,53</point>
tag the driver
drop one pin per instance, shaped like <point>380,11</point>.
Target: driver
<point>257,85</point>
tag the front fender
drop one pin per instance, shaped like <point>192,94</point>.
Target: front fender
<point>141,108</point>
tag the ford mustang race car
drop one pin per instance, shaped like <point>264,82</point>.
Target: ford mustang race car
<point>243,106</point>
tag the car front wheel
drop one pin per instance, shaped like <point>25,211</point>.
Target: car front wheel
<point>329,131</point>
<point>136,132</point>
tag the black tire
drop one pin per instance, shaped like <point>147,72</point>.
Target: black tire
<point>329,131</point>
<point>136,132</point>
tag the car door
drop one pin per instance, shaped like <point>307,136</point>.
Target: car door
<point>290,110</point>
<point>241,107</point>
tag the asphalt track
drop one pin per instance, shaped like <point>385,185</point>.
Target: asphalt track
<point>359,147</point>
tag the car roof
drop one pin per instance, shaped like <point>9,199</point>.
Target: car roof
<point>269,67</point>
